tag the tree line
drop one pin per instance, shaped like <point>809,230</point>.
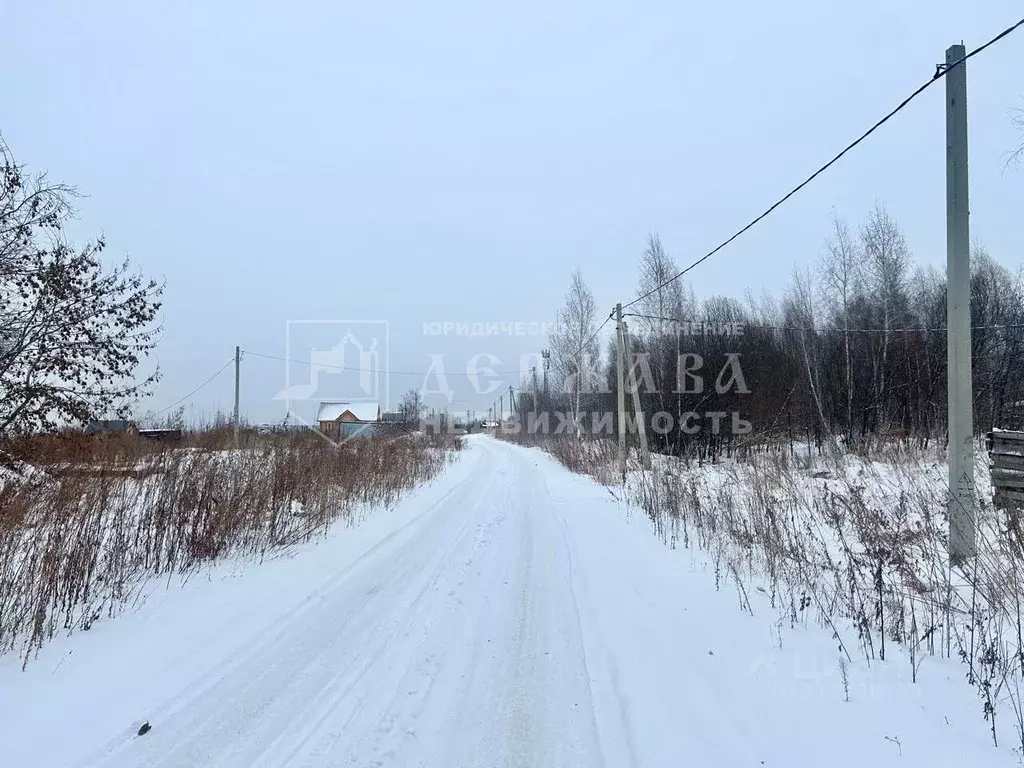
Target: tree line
<point>853,348</point>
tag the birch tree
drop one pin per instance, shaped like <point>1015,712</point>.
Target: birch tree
<point>1016,156</point>
<point>574,343</point>
<point>840,282</point>
<point>800,312</point>
<point>886,259</point>
<point>664,305</point>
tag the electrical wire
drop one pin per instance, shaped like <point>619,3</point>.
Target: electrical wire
<point>194,391</point>
<point>590,338</point>
<point>940,72</point>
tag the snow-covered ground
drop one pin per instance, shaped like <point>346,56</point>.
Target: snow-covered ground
<point>507,614</point>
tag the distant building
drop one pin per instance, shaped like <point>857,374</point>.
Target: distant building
<point>166,435</point>
<point>282,429</point>
<point>111,427</point>
<point>344,419</point>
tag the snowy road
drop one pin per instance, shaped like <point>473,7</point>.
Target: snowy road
<point>444,644</point>
<point>506,615</point>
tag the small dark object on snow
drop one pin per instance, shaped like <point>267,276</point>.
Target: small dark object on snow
<point>145,728</point>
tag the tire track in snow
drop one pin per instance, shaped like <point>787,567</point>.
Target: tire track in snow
<point>454,641</point>
<point>214,721</point>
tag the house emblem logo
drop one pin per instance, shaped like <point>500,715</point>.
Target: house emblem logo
<point>336,360</point>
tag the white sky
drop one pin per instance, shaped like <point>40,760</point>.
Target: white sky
<point>423,162</point>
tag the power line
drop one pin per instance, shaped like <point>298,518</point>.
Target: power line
<point>194,391</point>
<point>578,352</point>
<point>940,72</point>
<point>375,370</point>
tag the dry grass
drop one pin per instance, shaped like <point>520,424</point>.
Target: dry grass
<point>595,458</point>
<point>84,521</point>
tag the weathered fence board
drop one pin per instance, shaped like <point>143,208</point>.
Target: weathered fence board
<point>1004,478</point>
<point>1015,498</point>
<point>1007,434</point>
<point>1006,460</point>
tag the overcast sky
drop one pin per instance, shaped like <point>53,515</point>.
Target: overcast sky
<point>455,161</point>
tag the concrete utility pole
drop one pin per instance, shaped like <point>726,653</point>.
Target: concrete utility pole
<point>501,408</point>
<point>641,427</point>
<point>511,401</point>
<point>962,501</point>
<point>238,372</point>
<point>620,388</point>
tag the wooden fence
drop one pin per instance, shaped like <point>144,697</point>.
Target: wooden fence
<point>1006,460</point>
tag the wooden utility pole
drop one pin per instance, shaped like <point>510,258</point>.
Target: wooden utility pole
<point>620,387</point>
<point>238,372</point>
<point>962,503</point>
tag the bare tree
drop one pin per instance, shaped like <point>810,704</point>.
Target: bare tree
<point>73,331</point>
<point>574,344</point>
<point>412,406</point>
<point>886,259</point>
<point>657,270</point>
<point>800,312</point>
<point>1015,157</point>
<point>840,282</point>
<point>997,308</point>
<point>665,303</point>
<point>859,348</point>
